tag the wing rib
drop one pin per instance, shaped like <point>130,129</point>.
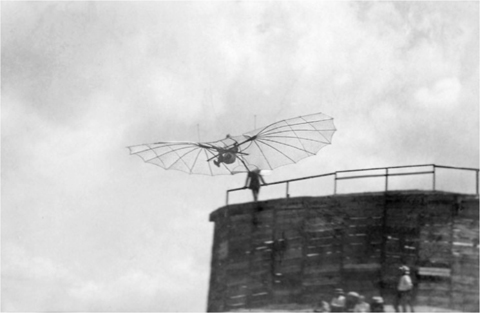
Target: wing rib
<point>294,124</point>
<point>298,130</point>
<point>209,167</point>
<point>286,144</point>
<point>180,158</point>
<point>263,155</point>
<point>296,136</point>
<point>195,162</point>
<point>171,150</point>
<point>155,152</point>
<point>159,155</point>
<point>303,138</point>
<point>314,128</point>
<point>280,152</point>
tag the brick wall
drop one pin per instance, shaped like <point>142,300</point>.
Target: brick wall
<point>297,251</point>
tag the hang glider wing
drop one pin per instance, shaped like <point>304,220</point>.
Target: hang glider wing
<point>281,143</point>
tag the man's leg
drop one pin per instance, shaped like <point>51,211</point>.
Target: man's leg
<point>397,302</point>
<point>255,195</point>
<point>409,300</point>
<point>404,300</point>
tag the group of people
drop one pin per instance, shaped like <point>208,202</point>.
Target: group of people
<point>354,302</point>
<point>351,302</point>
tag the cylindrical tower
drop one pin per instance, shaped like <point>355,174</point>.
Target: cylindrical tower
<point>292,253</point>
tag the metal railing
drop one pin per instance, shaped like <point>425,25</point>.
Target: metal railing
<point>387,173</point>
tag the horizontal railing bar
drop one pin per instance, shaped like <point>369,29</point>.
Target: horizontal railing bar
<point>362,176</point>
<point>458,168</point>
<point>297,179</point>
<point>237,189</point>
<point>286,181</point>
<point>412,173</point>
<point>383,175</point>
<point>384,168</point>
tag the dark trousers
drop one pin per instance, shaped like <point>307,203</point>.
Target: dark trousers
<point>403,299</point>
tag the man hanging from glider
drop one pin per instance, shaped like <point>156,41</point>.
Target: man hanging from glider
<point>227,156</point>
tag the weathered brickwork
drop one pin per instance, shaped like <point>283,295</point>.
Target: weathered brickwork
<point>297,250</point>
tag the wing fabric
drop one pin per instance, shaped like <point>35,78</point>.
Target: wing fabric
<point>281,143</point>
<point>189,157</point>
<point>288,141</point>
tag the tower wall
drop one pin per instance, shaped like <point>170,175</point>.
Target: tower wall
<point>294,252</point>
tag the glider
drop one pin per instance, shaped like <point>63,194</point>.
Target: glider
<point>281,143</point>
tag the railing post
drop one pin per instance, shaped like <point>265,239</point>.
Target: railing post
<point>386,180</point>
<point>288,196</point>
<point>433,177</point>
<point>477,181</point>
<point>335,184</point>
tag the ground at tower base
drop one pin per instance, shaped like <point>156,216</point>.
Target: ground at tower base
<point>388,309</point>
<point>298,308</point>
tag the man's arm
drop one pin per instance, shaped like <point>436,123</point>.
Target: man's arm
<point>262,180</point>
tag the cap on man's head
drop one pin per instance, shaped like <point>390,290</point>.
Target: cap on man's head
<point>339,290</point>
<point>377,299</point>
<point>404,268</point>
<point>353,294</point>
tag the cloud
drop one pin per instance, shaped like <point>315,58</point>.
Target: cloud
<point>22,276</point>
<point>19,262</point>
<point>52,286</point>
<point>443,92</point>
<point>91,228</point>
<point>134,290</point>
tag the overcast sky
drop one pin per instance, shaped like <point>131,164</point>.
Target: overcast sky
<point>87,227</point>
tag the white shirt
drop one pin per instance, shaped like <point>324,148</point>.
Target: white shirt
<point>405,283</point>
<point>362,307</point>
<point>338,301</point>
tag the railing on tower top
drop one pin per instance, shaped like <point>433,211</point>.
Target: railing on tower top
<point>386,174</point>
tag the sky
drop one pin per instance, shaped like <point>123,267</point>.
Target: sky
<point>87,227</point>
